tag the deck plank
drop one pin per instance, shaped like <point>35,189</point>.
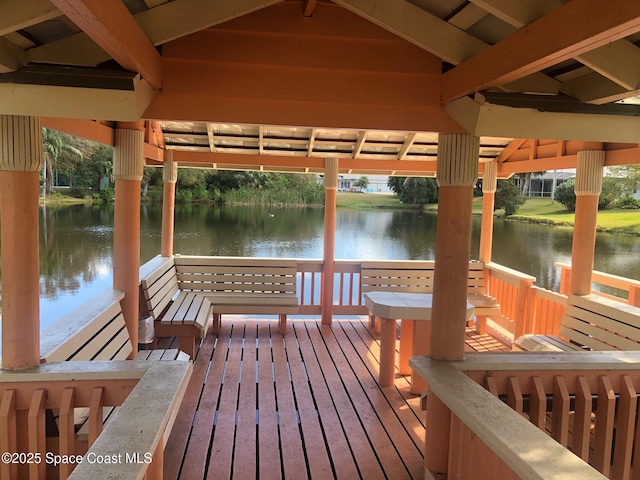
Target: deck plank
<point>340,452</point>
<point>221,451</point>
<point>317,456</point>
<point>268,438</point>
<point>177,443</point>
<point>379,436</point>
<point>363,453</point>
<point>196,456</point>
<point>291,449</point>
<point>244,454</point>
<point>320,413</point>
<point>399,430</point>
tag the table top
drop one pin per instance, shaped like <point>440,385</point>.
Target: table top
<point>409,306</point>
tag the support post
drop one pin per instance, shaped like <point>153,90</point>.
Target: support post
<point>589,172</point>
<point>20,162</point>
<point>457,171</point>
<point>330,191</point>
<point>128,165</point>
<point>169,177</point>
<point>489,185</point>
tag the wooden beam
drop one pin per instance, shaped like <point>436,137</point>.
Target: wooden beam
<point>160,24</point>
<point>544,43</point>
<point>486,119</point>
<point>12,57</point>
<point>406,146</point>
<point>538,165</point>
<point>260,139</point>
<point>75,102</point>
<point>87,129</point>
<point>309,7</point>
<point>518,14</point>
<point>430,33</point>
<point>468,16</point>
<point>210,134</point>
<point>418,27</point>
<point>112,27</point>
<point>362,137</point>
<point>618,61</point>
<point>18,14</point>
<point>515,144</point>
<point>154,3</point>
<point>312,138</point>
<point>596,89</point>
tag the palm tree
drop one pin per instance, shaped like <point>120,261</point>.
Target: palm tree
<point>57,151</point>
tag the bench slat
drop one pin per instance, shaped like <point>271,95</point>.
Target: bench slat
<point>596,335</point>
<point>622,312</point>
<point>192,260</point>
<point>604,322</point>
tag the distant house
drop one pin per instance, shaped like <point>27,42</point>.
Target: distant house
<point>377,183</point>
<point>545,185</point>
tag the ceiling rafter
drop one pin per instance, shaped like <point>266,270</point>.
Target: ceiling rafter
<point>160,24</point>
<point>212,140</point>
<point>618,61</point>
<point>312,137</point>
<point>468,16</point>
<point>431,34</point>
<point>18,14</point>
<point>12,57</point>
<point>309,7</point>
<point>514,58</point>
<point>362,137</point>
<point>112,27</point>
<point>406,146</point>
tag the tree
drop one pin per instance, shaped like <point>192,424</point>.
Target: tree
<point>628,176</point>
<point>59,153</point>
<point>612,190</point>
<point>566,195</point>
<point>414,190</point>
<point>362,183</point>
<point>508,197</point>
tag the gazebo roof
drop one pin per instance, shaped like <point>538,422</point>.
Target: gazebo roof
<point>287,83</point>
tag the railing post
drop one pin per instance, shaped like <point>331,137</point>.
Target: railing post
<point>565,279</point>
<point>438,430</point>
<point>524,290</point>
<point>634,296</point>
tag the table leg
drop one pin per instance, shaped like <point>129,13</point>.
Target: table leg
<point>406,346</point>
<point>387,351</point>
<point>421,346</point>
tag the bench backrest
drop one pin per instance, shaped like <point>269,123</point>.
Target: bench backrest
<point>601,324</point>
<point>95,330</point>
<point>236,274</point>
<point>411,276</point>
<point>158,284</point>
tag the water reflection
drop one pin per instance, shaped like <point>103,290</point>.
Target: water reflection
<point>76,243</point>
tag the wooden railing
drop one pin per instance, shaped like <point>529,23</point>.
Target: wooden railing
<point>39,406</point>
<point>512,290</point>
<point>622,289</point>
<point>521,415</point>
<point>545,310</point>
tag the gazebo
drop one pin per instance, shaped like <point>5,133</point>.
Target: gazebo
<point>452,89</point>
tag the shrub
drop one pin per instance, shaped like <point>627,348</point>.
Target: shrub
<point>508,197</point>
<point>627,202</point>
<point>106,195</point>
<point>611,191</point>
<point>78,192</point>
<point>184,196</point>
<point>566,195</point>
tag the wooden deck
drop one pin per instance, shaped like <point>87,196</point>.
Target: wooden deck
<point>306,405</point>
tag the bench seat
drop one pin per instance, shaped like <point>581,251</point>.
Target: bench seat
<point>231,285</point>
<point>417,277</point>
<point>187,318</point>
<point>591,322</point>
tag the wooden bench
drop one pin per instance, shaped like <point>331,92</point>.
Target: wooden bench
<point>591,322</point>
<point>93,331</point>
<point>241,285</point>
<point>176,313</point>
<point>417,277</point>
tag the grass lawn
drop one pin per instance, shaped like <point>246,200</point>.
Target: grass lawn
<point>541,210</point>
<point>369,200</point>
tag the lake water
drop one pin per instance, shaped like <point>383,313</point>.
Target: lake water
<point>76,243</point>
